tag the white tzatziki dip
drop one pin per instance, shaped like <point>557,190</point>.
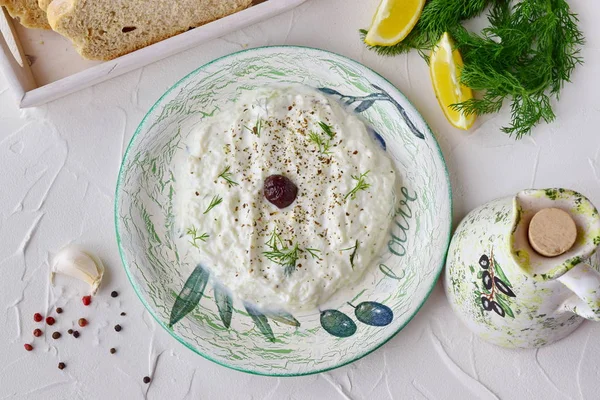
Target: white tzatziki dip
<point>296,257</point>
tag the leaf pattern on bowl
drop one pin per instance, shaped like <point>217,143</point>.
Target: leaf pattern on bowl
<point>365,102</point>
<point>284,318</point>
<point>261,322</point>
<point>190,295</point>
<point>224,305</point>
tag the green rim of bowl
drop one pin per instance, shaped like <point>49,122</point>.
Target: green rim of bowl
<point>183,341</point>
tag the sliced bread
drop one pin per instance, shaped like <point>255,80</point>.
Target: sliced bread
<point>27,12</point>
<point>106,29</point>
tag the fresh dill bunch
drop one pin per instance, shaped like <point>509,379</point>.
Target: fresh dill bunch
<point>361,184</point>
<point>228,177</point>
<point>216,200</point>
<point>525,56</point>
<point>438,16</point>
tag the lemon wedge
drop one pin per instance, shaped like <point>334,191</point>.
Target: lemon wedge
<point>445,65</point>
<point>393,20</point>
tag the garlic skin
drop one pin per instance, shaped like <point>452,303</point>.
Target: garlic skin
<point>75,262</point>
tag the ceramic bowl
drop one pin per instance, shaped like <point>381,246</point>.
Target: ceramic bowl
<point>393,288</point>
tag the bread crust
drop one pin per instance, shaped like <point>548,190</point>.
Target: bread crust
<point>43,4</point>
<point>106,29</point>
<point>27,12</point>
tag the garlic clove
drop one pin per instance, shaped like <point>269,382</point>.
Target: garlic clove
<point>77,263</point>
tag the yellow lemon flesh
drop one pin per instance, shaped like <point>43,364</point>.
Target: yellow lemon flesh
<point>393,20</point>
<point>445,66</point>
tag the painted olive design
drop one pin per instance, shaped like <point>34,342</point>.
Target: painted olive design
<point>373,313</point>
<point>337,323</point>
<point>501,286</point>
<point>485,302</point>
<point>487,280</point>
<point>495,285</point>
<point>484,262</point>
<point>497,309</point>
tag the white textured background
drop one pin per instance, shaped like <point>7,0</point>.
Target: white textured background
<point>58,168</point>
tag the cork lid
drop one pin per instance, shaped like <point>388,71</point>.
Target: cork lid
<point>552,232</point>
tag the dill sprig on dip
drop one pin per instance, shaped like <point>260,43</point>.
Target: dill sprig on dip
<point>361,184</point>
<point>256,128</point>
<point>216,200</point>
<point>227,176</point>
<point>193,233</point>
<point>286,256</point>
<point>327,129</point>
<point>525,56</point>
<point>313,252</point>
<point>353,254</point>
<point>323,144</point>
<point>281,254</point>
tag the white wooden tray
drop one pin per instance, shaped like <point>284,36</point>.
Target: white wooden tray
<point>41,66</point>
